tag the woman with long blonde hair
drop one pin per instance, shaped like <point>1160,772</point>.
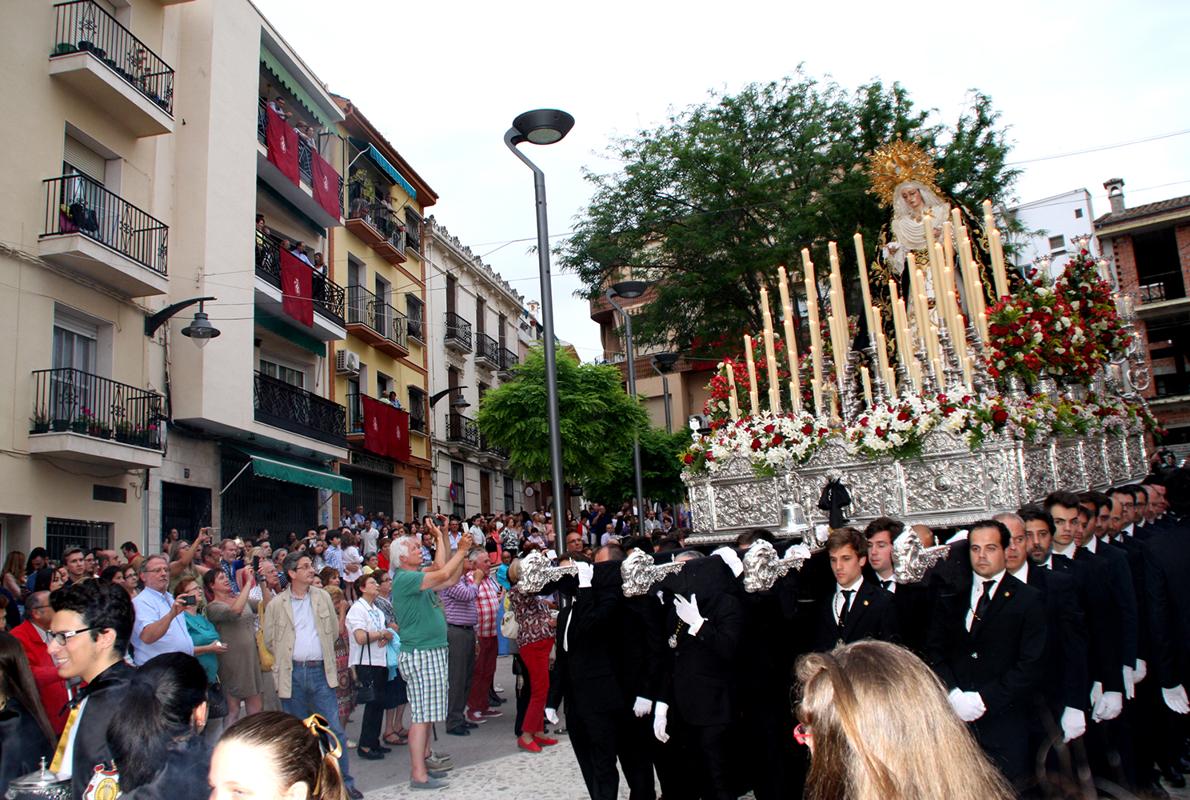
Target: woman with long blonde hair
<point>879,727</point>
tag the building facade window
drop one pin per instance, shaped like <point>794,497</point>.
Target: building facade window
<point>63,534</point>
<point>509,499</point>
<point>458,489</point>
<point>294,377</point>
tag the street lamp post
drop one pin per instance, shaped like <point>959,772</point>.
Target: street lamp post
<point>631,290</point>
<point>545,126</point>
<point>663,364</point>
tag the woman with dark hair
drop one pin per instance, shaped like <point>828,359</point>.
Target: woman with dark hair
<point>25,733</point>
<point>156,741</point>
<point>239,664</point>
<point>113,573</point>
<point>271,753</point>
<point>47,579</point>
<point>369,637</point>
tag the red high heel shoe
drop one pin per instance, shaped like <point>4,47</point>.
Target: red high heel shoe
<point>532,747</point>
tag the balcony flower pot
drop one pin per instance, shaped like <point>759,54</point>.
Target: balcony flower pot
<point>60,425</point>
<point>79,426</point>
<point>64,49</point>
<point>85,45</point>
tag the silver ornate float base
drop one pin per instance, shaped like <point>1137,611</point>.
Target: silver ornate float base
<point>948,485</point>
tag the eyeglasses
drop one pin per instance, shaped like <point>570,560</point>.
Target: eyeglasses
<point>801,734</point>
<point>61,637</point>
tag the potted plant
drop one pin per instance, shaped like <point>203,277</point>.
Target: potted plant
<point>125,432</point>
<point>40,421</point>
<point>64,49</point>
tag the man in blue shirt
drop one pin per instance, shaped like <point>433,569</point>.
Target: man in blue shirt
<point>159,627</point>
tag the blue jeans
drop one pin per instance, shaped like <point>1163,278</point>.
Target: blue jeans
<point>311,695</point>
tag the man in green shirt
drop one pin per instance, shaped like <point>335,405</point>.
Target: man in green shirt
<point>423,659</point>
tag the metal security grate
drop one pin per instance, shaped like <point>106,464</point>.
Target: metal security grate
<point>63,534</point>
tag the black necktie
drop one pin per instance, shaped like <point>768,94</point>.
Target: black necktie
<point>985,598</point>
<point>885,584</point>
<point>846,603</point>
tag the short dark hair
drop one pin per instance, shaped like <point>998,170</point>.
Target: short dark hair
<point>894,527</point>
<point>614,552</point>
<point>291,561</point>
<point>1098,499</point>
<point>71,551</point>
<point>1061,498</point>
<point>102,605</point>
<point>1037,513</point>
<point>748,538</point>
<point>1005,534</point>
<point>130,547</point>
<point>847,537</point>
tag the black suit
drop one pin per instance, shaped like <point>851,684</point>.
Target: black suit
<point>104,696</point>
<point>584,673</point>
<point>871,616</point>
<point>1001,658</point>
<point>1103,619</point>
<point>1067,683</point>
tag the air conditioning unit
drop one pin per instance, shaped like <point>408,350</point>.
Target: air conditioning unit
<point>346,363</point>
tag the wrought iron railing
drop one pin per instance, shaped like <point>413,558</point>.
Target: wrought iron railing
<point>462,429</point>
<point>487,349</point>
<point>508,359</point>
<point>305,147</point>
<point>458,330</point>
<point>82,26</point>
<point>378,216</point>
<point>296,410</point>
<point>355,413</point>
<point>413,229</point>
<point>1157,287</point>
<point>70,400</point>
<point>78,204</point>
<point>488,447</point>
<point>365,308</point>
<point>328,296</point>
<point>417,416</point>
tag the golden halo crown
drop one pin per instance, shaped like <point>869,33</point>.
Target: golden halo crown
<point>897,162</point>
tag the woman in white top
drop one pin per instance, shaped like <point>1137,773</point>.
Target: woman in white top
<point>352,565</point>
<point>368,637</point>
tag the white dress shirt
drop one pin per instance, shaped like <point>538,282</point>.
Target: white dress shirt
<point>840,598</point>
<point>977,591</point>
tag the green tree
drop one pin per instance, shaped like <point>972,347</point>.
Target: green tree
<point>710,203</point>
<point>661,472</point>
<point>598,419</point>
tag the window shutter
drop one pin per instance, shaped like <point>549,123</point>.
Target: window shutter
<point>84,159</point>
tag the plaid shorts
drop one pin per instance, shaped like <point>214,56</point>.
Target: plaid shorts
<point>426,674</point>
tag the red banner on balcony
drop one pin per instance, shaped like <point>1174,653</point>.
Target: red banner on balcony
<point>326,184</point>
<point>282,142</point>
<point>297,292</point>
<point>386,429</point>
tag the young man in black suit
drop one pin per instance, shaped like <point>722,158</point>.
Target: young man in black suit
<point>987,644</point>
<point>913,602</point>
<point>858,608</point>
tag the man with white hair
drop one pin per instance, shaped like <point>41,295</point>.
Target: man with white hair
<point>424,651</point>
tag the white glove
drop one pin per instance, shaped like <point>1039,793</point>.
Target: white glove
<point>798,551</point>
<point>688,613</point>
<point>660,711</point>
<point>1142,669</point>
<point>551,716</point>
<point>1175,699</point>
<point>1129,683</point>
<point>585,573</point>
<point>967,705</point>
<point>1074,724</point>
<point>1096,693</point>
<point>961,536</point>
<point>642,707</point>
<point>1109,707</point>
<point>731,558</point>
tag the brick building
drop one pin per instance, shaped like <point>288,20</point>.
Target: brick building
<point>1150,247</point>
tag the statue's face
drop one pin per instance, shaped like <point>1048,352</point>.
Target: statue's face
<point>912,196</point>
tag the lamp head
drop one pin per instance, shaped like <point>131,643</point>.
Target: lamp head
<point>629,290</point>
<point>665,361</point>
<point>200,329</point>
<point>458,403</point>
<point>542,126</point>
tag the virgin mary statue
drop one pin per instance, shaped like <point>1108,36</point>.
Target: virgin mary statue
<point>911,201</point>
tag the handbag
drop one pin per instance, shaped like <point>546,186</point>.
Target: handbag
<point>509,627</point>
<point>266,658</point>
<point>365,684</point>
<point>216,701</point>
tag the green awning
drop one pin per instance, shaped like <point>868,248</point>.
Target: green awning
<point>303,476</point>
<point>291,333</point>
<point>274,65</point>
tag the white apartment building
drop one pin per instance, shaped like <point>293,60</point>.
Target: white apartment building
<point>1055,222</point>
<point>473,320</point>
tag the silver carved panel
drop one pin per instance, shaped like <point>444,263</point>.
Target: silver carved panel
<point>1095,460</point>
<point>1117,461</point>
<point>1069,465</point>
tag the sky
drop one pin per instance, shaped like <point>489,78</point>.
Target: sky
<point>443,80</point>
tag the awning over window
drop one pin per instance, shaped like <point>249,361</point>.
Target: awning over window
<point>289,472</point>
<point>388,169</point>
<point>286,79</point>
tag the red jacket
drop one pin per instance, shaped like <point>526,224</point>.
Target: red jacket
<point>51,688</point>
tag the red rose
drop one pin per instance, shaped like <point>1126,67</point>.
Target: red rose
<point>999,416</point>
<point>879,432</point>
<point>768,428</point>
<point>755,444</point>
<point>777,440</point>
<point>903,416</point>
<point>688,458</point>
<point>807,429</point>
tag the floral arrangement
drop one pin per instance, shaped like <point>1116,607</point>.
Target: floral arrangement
<point>898,430</point>
<point>1070,329</point>
<point>768,440</point>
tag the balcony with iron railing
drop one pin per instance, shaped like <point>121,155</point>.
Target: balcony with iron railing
<point>302,194</point>
<point>375,224</point>
<point>100,235</point>
<point>111,68</point>
<point>417,417</point>
<point>462,430</point>
<point>458,333</point>
<point>376,323</point>
<point>508,360</point>
<point>1161,294</point>
<point>416,329</point>
<point>86,417</point>
<point>296,410</point>
<point>328,297</point>
<point>487,351</point>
